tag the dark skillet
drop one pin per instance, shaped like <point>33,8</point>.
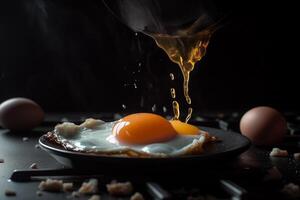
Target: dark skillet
<point>231,145</point>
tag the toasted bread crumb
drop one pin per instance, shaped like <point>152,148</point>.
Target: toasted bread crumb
<point>39,193</point>
<point>10,193</point>
<point>75,194</point>
<point>276,152</point>
<point>95,197</point>
<point>51,185</point>
<point>291,190</point>
<point>137,196</point>
<point>297,156</point>
<point>67,187</point>
<point>119,189</point>
<point>90,187</point>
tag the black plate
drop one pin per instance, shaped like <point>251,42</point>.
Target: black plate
<point>231,145</point>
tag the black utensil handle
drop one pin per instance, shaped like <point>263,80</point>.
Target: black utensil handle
<point>27,175</point>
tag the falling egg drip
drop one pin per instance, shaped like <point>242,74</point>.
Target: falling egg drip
<point>173,93</point>
<point>154,108</point>
<point>172,76</point>
<point>189,115</point>
<point>176,110</point>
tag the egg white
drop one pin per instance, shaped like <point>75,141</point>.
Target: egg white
<point>99,139</point>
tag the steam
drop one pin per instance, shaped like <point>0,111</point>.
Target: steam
<point>141,15</point>
<point>37,12</point>
<point>164,17</point>
<point>51,21</point>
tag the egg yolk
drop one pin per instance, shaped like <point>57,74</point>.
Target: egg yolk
<point>184,128</point>
<point>143,128</point>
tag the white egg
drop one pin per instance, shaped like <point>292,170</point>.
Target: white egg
<point>100,139</point>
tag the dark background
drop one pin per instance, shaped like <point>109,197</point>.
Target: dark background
<point>74,56</point>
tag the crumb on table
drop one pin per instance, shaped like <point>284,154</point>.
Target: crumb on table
<point>119,189</point>
<point>291,190</point>
<point>297,156</point>
<point>137,196</point>
<point>10,192</point>
<point>39,193</point>
<point>95,197</point>
<point>276,152</point>
<point>90,187</point>
<point>75,194</point>
<point>67,187</point>
<point>51,185</point>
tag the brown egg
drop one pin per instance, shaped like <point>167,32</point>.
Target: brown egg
<point>263,126</point>
<point>20,114</point>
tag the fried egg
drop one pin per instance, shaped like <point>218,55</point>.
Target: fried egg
<point>136,135</point>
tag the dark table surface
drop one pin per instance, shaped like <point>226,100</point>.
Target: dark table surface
<point>247,170</point>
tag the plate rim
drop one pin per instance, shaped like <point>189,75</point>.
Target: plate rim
<point>47,146</point>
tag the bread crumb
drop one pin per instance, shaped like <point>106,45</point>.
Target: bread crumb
<point>51,185</point>
<point>91,123</point>
<point>276,152</point>
<point>75,194</point>
<point>119,189</point>
<point>273,174</point>
<point>25,139</point>
<point>33,166</point>
<point>137,196</point>
<point>297,156</point>
<point>90,187</point>
<point>67,187</point>
<point>39,193</point>
<point>95,197</point>
<point>291,190</point>
<point>37,146</point>
<point>1,160</point>
<point>10,193</point>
